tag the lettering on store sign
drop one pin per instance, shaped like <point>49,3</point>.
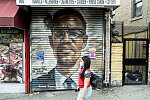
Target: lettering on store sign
<point>73,1</point>
<point>8,31</point>
<point>21,1</point>
<point>68,2</point>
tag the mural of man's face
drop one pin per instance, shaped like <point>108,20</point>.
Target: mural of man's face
<point>68,39</point>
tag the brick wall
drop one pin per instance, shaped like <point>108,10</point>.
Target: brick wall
<point>125,13</point>
<point>116,64</point>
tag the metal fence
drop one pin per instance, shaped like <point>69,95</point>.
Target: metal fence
<point>119,31</point>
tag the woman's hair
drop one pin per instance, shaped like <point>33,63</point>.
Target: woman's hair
<point>87,63</point>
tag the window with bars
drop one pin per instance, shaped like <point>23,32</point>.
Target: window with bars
<point>137,10</point>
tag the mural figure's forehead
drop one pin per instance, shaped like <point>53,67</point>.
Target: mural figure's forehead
<point>70,17</point>
<point>69,20</point>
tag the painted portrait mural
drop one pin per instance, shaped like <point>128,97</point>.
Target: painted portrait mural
<point>59,38</point>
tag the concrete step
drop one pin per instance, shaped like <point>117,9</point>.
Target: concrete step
<point>12,88</point>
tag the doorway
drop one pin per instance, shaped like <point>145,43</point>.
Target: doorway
<point>135,61</point>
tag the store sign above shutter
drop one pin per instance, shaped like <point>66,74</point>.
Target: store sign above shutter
<point>74,3</point>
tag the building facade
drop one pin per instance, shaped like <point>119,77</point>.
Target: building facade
<point>133,12</point>
<point>133,35</point>
<point>14,47</point>
<point>60,33</point>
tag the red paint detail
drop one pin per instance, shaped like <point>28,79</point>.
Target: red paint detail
<point>21,19</point>
<point>27,61</point>
<point>8,8</point>
<point>12,15</point>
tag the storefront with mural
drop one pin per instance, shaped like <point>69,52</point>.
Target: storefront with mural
<point>13,38</point>
<point>60,36</point>
<point>56,50</point>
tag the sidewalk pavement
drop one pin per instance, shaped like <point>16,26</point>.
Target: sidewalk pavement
<point>132,92</point>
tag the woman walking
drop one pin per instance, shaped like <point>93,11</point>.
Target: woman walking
<point>84,87</point>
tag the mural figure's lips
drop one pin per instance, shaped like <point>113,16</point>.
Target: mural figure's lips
<point>67,50</point>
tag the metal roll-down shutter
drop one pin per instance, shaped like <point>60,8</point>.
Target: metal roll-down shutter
<point>43,57</point>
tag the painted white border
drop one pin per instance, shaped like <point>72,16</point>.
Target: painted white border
<point>23,59</point>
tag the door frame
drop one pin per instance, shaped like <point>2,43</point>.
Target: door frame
<point>135,61</point>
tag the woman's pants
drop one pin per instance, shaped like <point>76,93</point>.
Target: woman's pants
<point>87,94</point>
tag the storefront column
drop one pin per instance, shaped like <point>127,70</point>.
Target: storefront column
<point>27,62</point>
<point>107,51</point>
<point>149,67</point>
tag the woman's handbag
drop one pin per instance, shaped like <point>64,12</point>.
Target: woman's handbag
<point>96,81</point>
<point>93,80</point>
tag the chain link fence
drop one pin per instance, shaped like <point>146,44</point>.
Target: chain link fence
<point>120,31</point>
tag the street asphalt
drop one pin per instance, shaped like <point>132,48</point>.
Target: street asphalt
<point>130,92</point>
